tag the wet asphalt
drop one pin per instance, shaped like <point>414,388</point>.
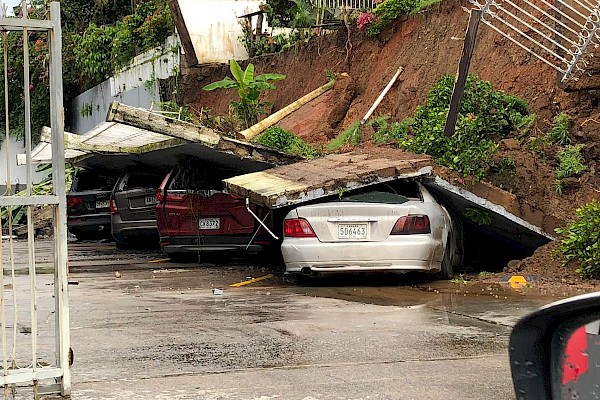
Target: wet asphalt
<point>145,328</point>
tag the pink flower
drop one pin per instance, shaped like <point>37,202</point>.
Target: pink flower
<point>364,20</point>
<point>31,86</point>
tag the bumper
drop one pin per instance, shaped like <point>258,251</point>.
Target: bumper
<point>408,253</point>
<point>188,244</point>
<point>88,221</point>
<point>128,231</point>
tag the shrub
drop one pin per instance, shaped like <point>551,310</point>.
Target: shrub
<point>484,111</point>
<point>560,131</point>
<point>582,242</point>
<point>286,141</point>
<point>387,11</point>
<point>570,161</point>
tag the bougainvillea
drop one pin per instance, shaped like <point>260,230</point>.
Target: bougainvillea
<point>364,20</point>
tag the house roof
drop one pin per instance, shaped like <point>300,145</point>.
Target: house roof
<point>132,135</point>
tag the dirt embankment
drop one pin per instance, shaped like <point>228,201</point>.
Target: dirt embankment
<point>426,46</point>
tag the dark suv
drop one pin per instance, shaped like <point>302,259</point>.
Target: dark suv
<point>88,213</point>
<point>193,216</point>
<point>133,208</point>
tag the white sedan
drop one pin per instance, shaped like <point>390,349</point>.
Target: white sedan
<point>394,227</point>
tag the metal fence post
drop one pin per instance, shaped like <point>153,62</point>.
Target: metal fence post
<point>60,211</point>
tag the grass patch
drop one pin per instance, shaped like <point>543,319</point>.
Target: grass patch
<point>350,136</point>
<point>560,131</point>
<point>287,142</point>
<point>389,133</point>
<point>570,161</point>
<point>423,5</point>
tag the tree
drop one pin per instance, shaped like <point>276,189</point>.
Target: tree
<point>249,108</point>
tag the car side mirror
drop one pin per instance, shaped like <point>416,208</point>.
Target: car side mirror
<point>555,351</point>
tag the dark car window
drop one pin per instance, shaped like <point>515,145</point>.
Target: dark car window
<point>90,180</point>
<point>377,197</point>
<point>395,192</point>
<point>200,179</point>
<point>139,180</point>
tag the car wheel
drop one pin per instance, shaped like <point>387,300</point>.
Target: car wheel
<point>446,268</point>
<point>123,245</point>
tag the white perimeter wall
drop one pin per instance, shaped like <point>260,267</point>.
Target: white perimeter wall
<point>214,27</point>
<point>136,85</point>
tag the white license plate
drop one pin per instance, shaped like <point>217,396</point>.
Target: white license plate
<point>150,200</point>
<point>102,204</point>
<point>210,223</point>
<point>352,231</point>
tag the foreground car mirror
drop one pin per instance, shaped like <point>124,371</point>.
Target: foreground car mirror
<point>555,351</point>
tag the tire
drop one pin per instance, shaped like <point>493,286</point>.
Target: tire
<point>446,272</point>
<point>123,245</point>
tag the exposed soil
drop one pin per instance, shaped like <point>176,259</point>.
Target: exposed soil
<point>427,46</point>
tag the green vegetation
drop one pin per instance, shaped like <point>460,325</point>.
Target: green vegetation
<point>560,131</point>
<point>249,87</point>
<point>460,279</point>
<point>102,50</point>
<point>582,241</point>
<point>388,133</point>
<point>19,213</point>
<point>93,47</point>
<point>387,11</point>
<point>570,161</point>
<point>523,124</point>
<point>558,187</point>
<point>350,136</point>
<point>480,217</point>
<point>286,141</point>
<point>175,110</point>
<point>484,112</point>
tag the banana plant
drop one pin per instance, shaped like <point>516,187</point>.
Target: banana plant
<point>249,87</point>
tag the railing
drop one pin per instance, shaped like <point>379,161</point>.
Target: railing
<point>346,4</point>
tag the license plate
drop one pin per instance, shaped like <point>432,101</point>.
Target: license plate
<point>210,223</point>
<point>150,200</point>
<point>102,204</point>
<point>352,231</point>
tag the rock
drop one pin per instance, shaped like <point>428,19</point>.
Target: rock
<point>509,144</point>
<point>513,265</point>
<point>117,274</point>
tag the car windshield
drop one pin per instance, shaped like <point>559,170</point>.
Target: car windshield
<point>138,180</point>
<point>390,193</point>
<point>89,180</point>
<point>377,197</point>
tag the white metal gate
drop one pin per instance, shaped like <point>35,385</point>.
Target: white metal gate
<point>34,308</point>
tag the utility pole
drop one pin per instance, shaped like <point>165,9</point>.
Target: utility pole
<point>463,71</point>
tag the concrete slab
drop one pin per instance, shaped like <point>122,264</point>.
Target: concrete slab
<point>133,135</point>
<point>314,179</point>
<point>499,221</point>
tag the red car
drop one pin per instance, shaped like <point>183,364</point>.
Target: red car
<point>193,215</point>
